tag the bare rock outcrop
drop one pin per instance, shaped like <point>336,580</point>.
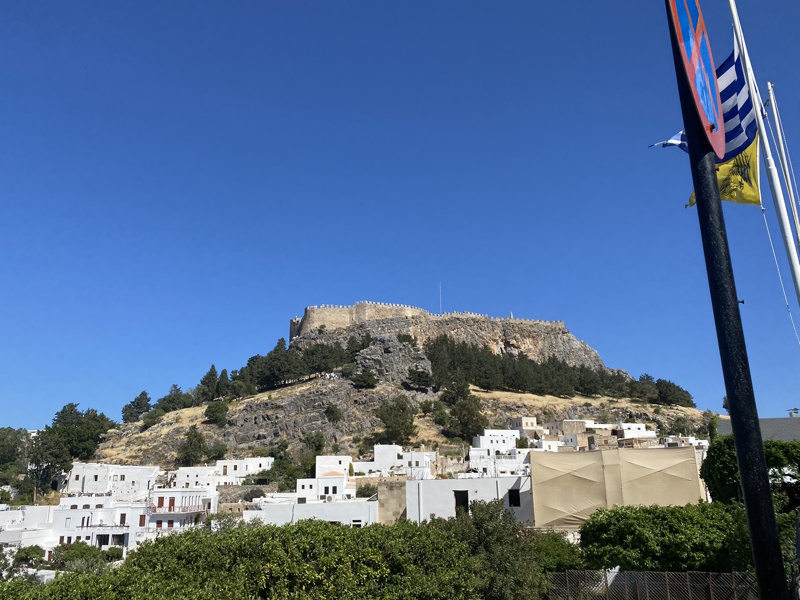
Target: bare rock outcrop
<point>538,340</point>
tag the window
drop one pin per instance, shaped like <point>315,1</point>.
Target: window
<point>73,506</point>
<point>122,477</point>
<point>161,502</point>
<point>334,489</point>
<point>235,467</point>
<point>462,499</point>
<point>123,519</point>
<point>61,539</point>
<point>327,490</point>
<point>170,524</point>
<point>416,463</point>
<point>88,537</point>
<point>95,477</point>
<point>302,486</point>
<point>513,498</point>
<point>159,524</point>
<point>69,539</point>
<point>85,506</point>
<point>67,522</point>
<point>77,477</point>
<point>115,477</point>
<point>311,486</point>
<point>142,520</point>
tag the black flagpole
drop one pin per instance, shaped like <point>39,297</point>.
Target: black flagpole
<point>733,353</point>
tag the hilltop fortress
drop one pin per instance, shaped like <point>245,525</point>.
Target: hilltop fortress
<point>537,339</point>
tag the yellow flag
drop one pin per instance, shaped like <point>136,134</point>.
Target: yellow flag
<point>738,178</point>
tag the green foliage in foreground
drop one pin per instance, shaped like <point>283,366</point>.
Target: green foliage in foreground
<point>485,554</point>
<point>696,537</point>
<point>720,471</point>
<point>308,560</point>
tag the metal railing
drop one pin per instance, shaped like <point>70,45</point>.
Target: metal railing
<point>651,585</point>
<point>176,509</point>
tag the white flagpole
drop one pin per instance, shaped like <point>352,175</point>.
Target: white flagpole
<point>772,172</point>
<point>776,118</point>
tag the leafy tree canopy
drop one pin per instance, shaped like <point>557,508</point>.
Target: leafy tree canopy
<point>397,416</point>
<point>134,410</point>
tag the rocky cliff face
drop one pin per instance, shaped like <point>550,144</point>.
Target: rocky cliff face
<point>289,414</point>
<point>539,340</point>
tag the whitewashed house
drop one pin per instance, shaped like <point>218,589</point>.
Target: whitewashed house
<point>419,464</point>
<point>355,513</point>
<point>120,481</point>
<point>498,441</point>
<point>426,499</point>
<point>387,459</point>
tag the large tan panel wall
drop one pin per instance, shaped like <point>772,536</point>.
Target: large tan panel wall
<point>568,488</point>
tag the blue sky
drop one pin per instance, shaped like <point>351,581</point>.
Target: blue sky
<point>178,180</point>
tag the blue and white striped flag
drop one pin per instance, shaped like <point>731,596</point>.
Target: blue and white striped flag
<point>737,109</point>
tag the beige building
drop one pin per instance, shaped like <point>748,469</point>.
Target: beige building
<point>569,487</point>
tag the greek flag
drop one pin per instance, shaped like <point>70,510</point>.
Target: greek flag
<point>737,109</point>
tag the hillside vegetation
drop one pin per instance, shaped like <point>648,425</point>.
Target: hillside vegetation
<point>345,390</point>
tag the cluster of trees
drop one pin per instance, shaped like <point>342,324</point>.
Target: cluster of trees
<point>288,465</point>
<point>14,449</point>
<point>720,472</point>
<point>453,361</point>
<point>193,449</point>
<point>281,366</point>
<point>481,554</point>
<point>458,412</point>
<point>40,459</point>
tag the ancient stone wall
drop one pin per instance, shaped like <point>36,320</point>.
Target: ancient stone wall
<point>331,317</point>
<point>339,317</point>
<point>536,339</point>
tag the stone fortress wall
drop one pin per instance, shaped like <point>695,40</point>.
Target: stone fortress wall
<point>340,317</point>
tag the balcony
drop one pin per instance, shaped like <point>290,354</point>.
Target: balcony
<point>174,509</point>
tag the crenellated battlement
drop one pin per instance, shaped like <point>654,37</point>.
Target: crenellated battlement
<point>337,316</point>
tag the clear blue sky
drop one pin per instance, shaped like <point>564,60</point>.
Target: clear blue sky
<point>178,180</point>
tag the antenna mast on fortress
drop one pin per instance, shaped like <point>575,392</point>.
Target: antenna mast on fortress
<point>440,297</point>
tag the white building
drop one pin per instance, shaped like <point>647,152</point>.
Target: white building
<point>524,423</point>
<point>547,445</point>
<point>334,487</point>
<point>628,431</point>
<point>514,462</point>
<point>419,465</point>
<point>355,513</point>
<point>497,440</point>
<point>120,481</point>
<point>679,441</point>
<point>426,499</point>
<point>224,472</point>
<point>386,460</point>
<point>244,467</point>
<point>328,466</point>
<point>210,477</point>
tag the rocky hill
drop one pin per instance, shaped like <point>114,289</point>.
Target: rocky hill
<point>538,340</point>
<point>294,412</point>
